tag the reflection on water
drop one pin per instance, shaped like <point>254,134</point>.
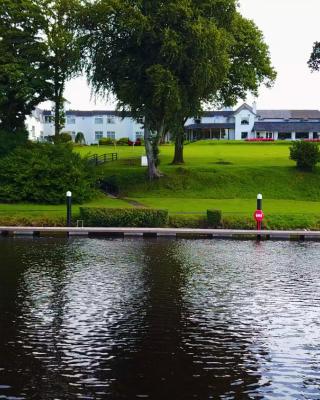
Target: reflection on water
<point>159,319</point>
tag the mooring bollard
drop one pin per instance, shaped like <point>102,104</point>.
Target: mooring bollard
<point>69,207</point>
<point>258,215</point>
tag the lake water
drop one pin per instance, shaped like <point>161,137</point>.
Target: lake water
<point>159,319</point>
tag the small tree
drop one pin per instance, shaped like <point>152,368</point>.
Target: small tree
<point>306,155</point>
<point>80,139</point>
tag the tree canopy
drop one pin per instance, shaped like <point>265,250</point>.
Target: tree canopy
<point>164,60</point>
<point>24,80</point>
<point>314,60</point>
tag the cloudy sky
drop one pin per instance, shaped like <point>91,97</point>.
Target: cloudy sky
<point>290,27</point>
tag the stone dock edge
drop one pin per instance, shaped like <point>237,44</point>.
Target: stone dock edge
<point>160,232</point>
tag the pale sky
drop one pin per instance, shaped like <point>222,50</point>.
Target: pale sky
<point>290,27</point>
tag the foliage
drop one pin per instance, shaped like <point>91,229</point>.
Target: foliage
<point>106,142</point>
<point>131,217</point>
<point>9,141</point>
<point>80,139</point>
<point>24,66</point>
<point>123,141</point>
<point>306,154</point>
<point>214,218</point>
<point>63,137</point>
<point>173,57</point>
<point>43,173</point>
<point>64,46</point>
<point>314,60</point>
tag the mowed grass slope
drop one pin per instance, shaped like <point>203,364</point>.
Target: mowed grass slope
<point>215,170</point>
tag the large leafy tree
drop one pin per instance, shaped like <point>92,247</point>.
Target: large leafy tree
<point>248,66</point>
<point>163,60</point>
<point>24,76</point>
<point>64,46</point>
<point>314,61</point>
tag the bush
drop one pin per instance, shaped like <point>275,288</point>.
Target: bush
<point>306,155</point>
<point>9,141</point>
<point>214,218</point>
<point>126,217</point>
<point>80,139</point>
<point>42,173</point>
<point>63,137</point>
<point>106,142</point>
<point>123,141</point>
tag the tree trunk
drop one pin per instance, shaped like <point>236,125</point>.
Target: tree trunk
<point>153,172</point>
<point>57,116</point>
<point>178,148</point>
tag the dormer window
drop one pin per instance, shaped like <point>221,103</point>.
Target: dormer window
<point>244,122</point>
<point>197,120</point>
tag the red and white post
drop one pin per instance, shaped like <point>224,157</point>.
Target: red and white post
<point>259,215</point>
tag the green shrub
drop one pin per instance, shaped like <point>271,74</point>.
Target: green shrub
<point>63,137</point>
<point>127,217</point>
<point>80,139</point>
<point>123,141</point>
<point>214,218</point>
<point>32,221</point>
<point>42,173</point>
<point>10,140</point>
<point>306,155</point>
<point>106,142</point>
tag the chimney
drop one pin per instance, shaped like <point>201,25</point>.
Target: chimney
<point>254,107</point>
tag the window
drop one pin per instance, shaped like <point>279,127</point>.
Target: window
<point>269,135</point>
<point>71,120</point>
<point>315,135</point>
<point>140,120</point>
<point>197,120</point>
<point>98,120</point>
<point>33,131</point>
<point>244,122</point>
<point>111,120</point>
<point>47,119</point>
<point>111,135</point>
<point>302,135</point>
<point>284,135</point>
<point>139,135</point>
<point>98,135</point>
<point>244,135</point>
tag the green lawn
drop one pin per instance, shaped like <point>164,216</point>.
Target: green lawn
<point>216,175</point>
<point>232,206</point>
<point>27,210</point>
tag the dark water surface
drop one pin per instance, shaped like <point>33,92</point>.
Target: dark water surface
<point>159,319</point>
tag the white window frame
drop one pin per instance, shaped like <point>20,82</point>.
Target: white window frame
<point>98,135</point>
<point>98,120</point>
<point>71,120</point>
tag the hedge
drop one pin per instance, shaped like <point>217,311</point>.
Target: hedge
<point>214,218</point>
<point>126,217</point>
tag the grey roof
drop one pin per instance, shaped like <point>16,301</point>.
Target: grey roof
<point>222,113</point>
<point>287,126</point>
<point>92,113</point>
<point>289,114</point>
<point>210,126</point>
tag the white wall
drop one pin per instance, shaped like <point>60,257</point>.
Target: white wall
<point>243,114</point>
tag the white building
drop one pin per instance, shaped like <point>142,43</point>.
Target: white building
<point>243,123</point>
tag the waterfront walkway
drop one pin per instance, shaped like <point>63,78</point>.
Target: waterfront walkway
<point>159,232</point>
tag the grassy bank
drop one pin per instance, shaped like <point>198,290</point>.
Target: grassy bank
<point>216,175</point>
